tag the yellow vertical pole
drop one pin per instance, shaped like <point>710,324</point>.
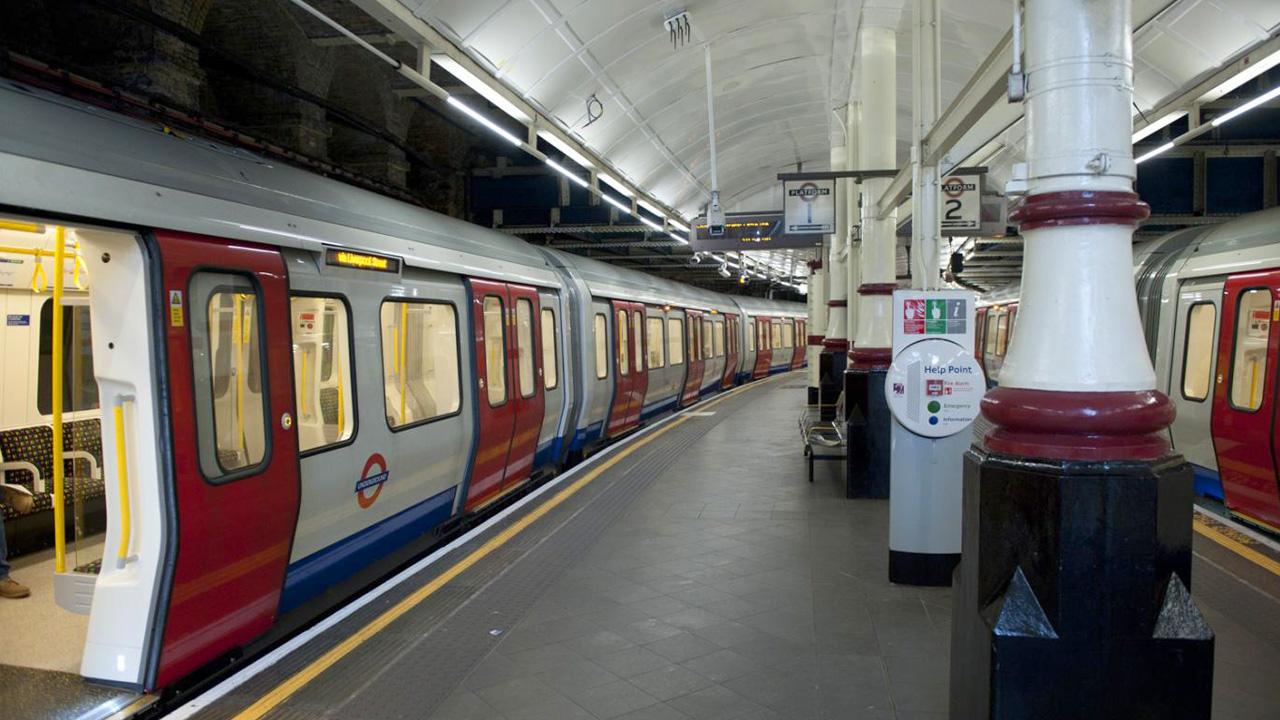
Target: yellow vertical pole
<point>122,479</point>
<point>342,414</point>
<point>302,391</point>
<point>237,346</point>
<point>55,373</point>
<point>404,344</point>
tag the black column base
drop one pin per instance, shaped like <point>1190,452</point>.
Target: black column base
<point>923,569</point>
<point>869,427</point>
<point>1073,600</point>
<point>831,365</point>
<point>813,396</point>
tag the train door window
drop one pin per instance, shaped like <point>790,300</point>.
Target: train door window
<point>495,351</point>
<point>708,344</point>
<point>524,347</point>
<point>637,339</point>
<point>656,344</point>
<point>322,371</point>
<point>1249,356</point>
<point>602,346</point>
<point>692,344</point>
<point>79,385</point>
<point>624,366</point>
<point>227,368</point>
<point>420,361</point>
<point>775,334</point>
<point>751,337</point>
<point>1002,334</point>
<point>675,341</point>
<point>991,333</point>
<point>719,338</point>
<point>1197,353</point>
<point>550,369</point>
<point>788,334</point>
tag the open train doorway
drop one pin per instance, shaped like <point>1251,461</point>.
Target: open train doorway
<point>79,496</point>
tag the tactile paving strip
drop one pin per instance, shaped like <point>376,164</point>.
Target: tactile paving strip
<point>410,667</point>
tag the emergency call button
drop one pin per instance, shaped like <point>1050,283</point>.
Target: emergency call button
<point>934,388</point>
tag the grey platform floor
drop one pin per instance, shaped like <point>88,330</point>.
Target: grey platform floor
<point>708,579</point>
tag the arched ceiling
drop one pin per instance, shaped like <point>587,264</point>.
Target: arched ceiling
<point>781,69</point>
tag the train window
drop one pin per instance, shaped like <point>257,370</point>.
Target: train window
<point>719,338</point>
<point>1249,357</point>
<point>420,378</point>
<point>692,345</point>
<point>657,345</point>
<point>788,334</point>
<point>322,371</point>
<point>775,334</point>
<point>602,347</point>
<point>495,351</point>
<point>637,341</point>
<point>79,386</point>
<point>550,370</point>
<point>708,344</point>
<point>1002,334</point>
<point>990,334</point>
<point>624,365</point>
<point>675,341</point>
<point>524,346</point>
<point>227,367</point>
<point>751,337</point>
<point>1197,353</point>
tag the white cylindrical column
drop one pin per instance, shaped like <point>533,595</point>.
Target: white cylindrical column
<point>1078,323</point>
<point>837,291</point>
<point>877,150</point>
<point>817,319</point>
<point>926,99</point>
<point>853,220</point>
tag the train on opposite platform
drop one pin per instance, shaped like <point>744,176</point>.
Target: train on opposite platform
<point>1209,299</point>
<point>273,381</point>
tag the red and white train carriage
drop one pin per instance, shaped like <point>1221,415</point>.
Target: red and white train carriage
<point>272,381</point>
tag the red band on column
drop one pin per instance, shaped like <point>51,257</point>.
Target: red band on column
<point>816,339</point>
<point>1079,207</point>
<point>1077,425</point>
<point>815,265</point>
<point>877,288</point>
<point>869,358</point>
<point>837,303</point>
<point>835,344</point>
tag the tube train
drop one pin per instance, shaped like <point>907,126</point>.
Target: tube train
<point>1209,299</point>
<point>271,380</point>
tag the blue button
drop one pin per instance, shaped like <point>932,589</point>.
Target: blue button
<point>933,419</point>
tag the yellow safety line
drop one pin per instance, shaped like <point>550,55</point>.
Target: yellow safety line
<point>1212,533</point>
<point>55,392</point>
<point>286,689</point>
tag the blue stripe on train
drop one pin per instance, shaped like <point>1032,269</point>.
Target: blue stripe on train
<point>311,575</point>
<point>1208,484</point>
<point>548,454</point>
<point>590,434</point>
<point>658,408</point>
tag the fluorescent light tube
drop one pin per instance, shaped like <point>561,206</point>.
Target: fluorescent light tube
<point>471,113</point>
<point>484,89</point>
<point>616,203</point>
<point>1163,148</point>
<point>1265,97</point>
<point>565,172</point>
<point>679,239</point>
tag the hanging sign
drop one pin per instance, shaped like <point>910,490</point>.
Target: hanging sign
<point>748,231</point>
<point>960,204</point>
<point>809,207</point>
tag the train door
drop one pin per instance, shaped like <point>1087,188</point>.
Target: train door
<point>235,452</point>
<point>764,348</point>
<point>1191,372</point>
<point>552,358</point>
<point>526,373</point>
<point>640,376</point>
<point>796,338</point>
<point>495,412</point>
<point>624,369</point>
<point>693,354</point>
<point>980,337</point>
<point>731,350</point>
<point>1244,403</point>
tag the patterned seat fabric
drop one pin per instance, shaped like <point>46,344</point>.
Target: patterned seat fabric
<point>329,405</point>
<point>35,445</point>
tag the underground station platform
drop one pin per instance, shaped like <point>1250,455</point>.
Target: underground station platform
<point>691,571</point>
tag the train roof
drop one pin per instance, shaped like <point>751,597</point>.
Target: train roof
<point>771,308</point>
<point>1249,242</point>
<point>605,280</point>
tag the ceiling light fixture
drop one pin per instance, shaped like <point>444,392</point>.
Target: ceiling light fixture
<point>497,129</point>
<point>565,172</point>
<point>1263,98</point>
<point>1163,148</point>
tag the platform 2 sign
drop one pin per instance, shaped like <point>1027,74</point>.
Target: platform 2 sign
<point>748,231</point>
<point>960,204</point>
<point>809,207</point>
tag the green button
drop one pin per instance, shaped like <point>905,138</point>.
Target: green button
<point>934,406</point>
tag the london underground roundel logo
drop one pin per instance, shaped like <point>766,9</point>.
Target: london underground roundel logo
<point>373,477</point>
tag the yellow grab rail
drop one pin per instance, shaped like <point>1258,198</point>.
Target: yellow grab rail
<point>404,344</point>
<point>55,393</point>
<point>22,226</point>
<point>122,479</point>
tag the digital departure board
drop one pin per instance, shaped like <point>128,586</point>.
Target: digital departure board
<point>749,231</point>
<point>361,260</point>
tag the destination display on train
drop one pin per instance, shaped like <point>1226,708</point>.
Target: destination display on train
<point>361,260</point>
<point>749,231</point>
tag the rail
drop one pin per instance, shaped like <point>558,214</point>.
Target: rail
<point>122,480</point>
<point>55,393</point>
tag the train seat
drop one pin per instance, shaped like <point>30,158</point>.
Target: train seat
<point>82,463</point>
